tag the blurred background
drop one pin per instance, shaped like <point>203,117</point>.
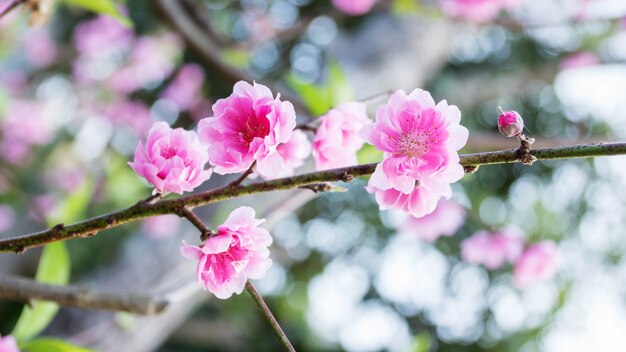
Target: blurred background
<point>84,82</point>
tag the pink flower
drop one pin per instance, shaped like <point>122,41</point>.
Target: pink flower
<point>493,249</point>
<point>237,252</point>
<point>420,142</point>
<point>477,10</point>
<point>249,125</point>
<point>581,59</point>
<point>336,140</point>
<point>173,159</point>
<point>446,220</point>
<point>510,123</point>
<point>102,36</point>
<point>40,48</point>
<point>354,7</point>
<point>8,344</point>
<point>186,86</point>
<point>294,152</point>
<point>537,263</point>
<point>7,218</point>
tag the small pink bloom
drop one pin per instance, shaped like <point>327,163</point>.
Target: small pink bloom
<point>581,59</point>
<point>493,249</point>
<point>510,123</point>
<point>102,36</point>
<point>249,125</point>
<point>173,159</point>
<point>8,344</point>
<point>237,252</point>
<point>294,152</point>
<point>40,48</point>
<point>337,140</point>
<point>354,7</point>
<point>186,87</point>
<point>420,141</point>
<point>446,220</point>
<point>537,263</point>
<point>477,10</point>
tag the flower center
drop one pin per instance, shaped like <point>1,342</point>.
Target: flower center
<point>416,143</point>
<point>256,126</point>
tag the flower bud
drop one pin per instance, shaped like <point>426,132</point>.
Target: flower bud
<point>510,123</point>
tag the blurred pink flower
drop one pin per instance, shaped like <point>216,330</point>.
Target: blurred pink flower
<point>135,114</point>
<point>477,10</point>
<point>446,220</point>
<point>248,126</point>
<point>337,140</point>
<point>8,344</point>
<point>67,179</point>
<point>510,123</point>
<point>102,36</point>
<point>581,59</point>
<point>26,124</point>
<point>7,217</point>
<point>537,263</point>
<point>40,48</point>
<point>354,7</point>
<point>420,142</point>
<point>152,60</point>
<point>162,226</point>
<point>173,159</point>
<point>294,152</point>
<point>237,252</point>
<point>493,249</point>
<point>185,88</point>
<point>14,82</point>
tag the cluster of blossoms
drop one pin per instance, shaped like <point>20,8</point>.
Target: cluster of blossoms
<point>532,263</point>
<point>354,7</point>
<point>253,130</point>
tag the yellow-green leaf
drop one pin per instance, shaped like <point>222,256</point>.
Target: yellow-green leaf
<point>105,7</point>
<point>50,345</point>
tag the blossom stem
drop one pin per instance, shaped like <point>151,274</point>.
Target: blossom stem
<point>243,176</point>
<point>267,313</point>
<point>187,213</point>
<point>141,210</point>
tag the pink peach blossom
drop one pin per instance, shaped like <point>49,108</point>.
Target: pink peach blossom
<point>493,249</point>
<point>173,159</point>
<point>40,48</point>
<point>294,152</point>
<point>477,10</point>
<point>420,142</point>
<point>134,114</point>
<point>354,7</point>
<point>237,252</point>
<point>8,344</point>
<point>537,263</point>
<point>248,126</point>
<point>336,140</point>
<point>102,36</point>
<point>186,87</point>
<point>510,123</point>
<point>446,220</point>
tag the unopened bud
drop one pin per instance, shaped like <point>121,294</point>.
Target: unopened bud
<point>510,123</point>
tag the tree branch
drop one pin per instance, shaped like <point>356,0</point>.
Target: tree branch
<point>267,313</point>
<point>25,290</point>
<point>10,7</point>
<point>141,210</point>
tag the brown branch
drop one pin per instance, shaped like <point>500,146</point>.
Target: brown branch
<point>243,176</point>
<point>12,5</point>
<point>25,290</point>
<point>267,313</point>
<point>142,210</point>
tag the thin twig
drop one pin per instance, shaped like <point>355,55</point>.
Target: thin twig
<point>140,210</point>
<point>12,5</point>
<point>267,313</point>
<point>243,176</point>
<point>188,214</point>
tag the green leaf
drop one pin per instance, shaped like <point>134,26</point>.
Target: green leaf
<point>105,7</point>
<point>50,345</point>
<point>315,98</point>
<point>235,57</point>
<point>421,343</point>
<point>369,154</point>
<point>54,268</point>
<point>403,7</point>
